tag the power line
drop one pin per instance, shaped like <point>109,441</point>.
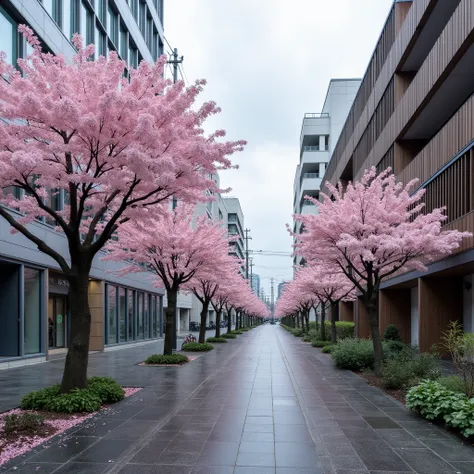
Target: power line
<point>183,74</point>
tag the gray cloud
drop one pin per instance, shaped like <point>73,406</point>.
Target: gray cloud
<point>268,62</point>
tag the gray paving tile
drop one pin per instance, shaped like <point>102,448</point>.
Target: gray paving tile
<point>424,461</point>
<point>34,468</point>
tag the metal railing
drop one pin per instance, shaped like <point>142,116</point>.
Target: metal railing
<point>312,175</point>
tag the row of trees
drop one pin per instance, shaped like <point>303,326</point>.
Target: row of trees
<point>99,149</point>
<point>365,233</point>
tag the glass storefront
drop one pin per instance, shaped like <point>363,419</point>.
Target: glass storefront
<point>131,315</point>
<point>32,310</point>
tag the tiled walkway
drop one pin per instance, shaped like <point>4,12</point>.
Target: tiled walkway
<point>266,403</point>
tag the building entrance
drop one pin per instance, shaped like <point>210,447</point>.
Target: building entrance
<point>57,311</point>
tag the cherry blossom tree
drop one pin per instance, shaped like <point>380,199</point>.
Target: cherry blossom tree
<point>328,286</point>
<point>180,249</point>
<point>112,148</point>
<point>370,231</point>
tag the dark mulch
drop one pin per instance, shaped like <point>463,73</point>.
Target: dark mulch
<point>375,381</point>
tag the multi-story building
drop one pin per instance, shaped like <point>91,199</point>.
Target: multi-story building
<point>255,283</point>
<point>235,225</point>
<point>414,112</point>
<point>319,133</point>
<point>33,292</point>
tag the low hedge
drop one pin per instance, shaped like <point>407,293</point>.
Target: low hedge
<point>167,359</point>
<point>100,390</point>
<point>197,347</point>
<point>354,354</point>
<point>229,335</point>
<point>237,331</point>
<point>328,349</point>
<point>316,343</point>
<point>216,339</point>
<point>435,402</point>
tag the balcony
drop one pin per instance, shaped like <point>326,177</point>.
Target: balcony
<point>309,208</point>
<point>310,182</point>
<point>313,154</point>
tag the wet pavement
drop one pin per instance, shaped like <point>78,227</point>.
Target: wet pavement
<point>265,403</point>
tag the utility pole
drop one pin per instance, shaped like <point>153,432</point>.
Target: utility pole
<point>273,296</point>
<point>247,238</point>
<point>175,62</point>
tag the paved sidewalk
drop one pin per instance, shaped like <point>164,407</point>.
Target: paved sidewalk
<point>264,404</point>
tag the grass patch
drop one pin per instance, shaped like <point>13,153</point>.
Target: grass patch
<point>316,343</point>
<point>197,347</point>
<point>229,335</point>
<point>216,339</point>
<point>177,359</point>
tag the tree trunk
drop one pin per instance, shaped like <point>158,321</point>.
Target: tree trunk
<point>373,316</point>
<point>172,296</point>
<point>202,329</point>
<point>75,368</point>
<point>323,319</point>
<point>229,321</point>
<point>333,323</point>
<point>218,323</point>
<point>306,317</point>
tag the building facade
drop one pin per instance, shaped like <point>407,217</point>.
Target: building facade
<point>255,283</point>
<point>281,287</point>
<point>235,225</point>
<point>319,134</point>
<point>33,292</point>
<point>414,113</point>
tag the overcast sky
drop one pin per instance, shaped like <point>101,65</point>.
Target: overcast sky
<point>267,62</point>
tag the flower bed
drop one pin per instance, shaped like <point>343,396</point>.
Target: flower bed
<point>16,443</point>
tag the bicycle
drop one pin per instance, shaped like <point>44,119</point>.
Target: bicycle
<point>189,338</point>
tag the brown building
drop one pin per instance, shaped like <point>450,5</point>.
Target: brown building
<point>414,111</point>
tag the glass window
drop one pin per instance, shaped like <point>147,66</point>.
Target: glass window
<point>32,310</point>
<point>75,17</point>
<point>134,8</point>
<point>112,310</point>
<point>48,6</point>
<point>133,57</point>
<point>112,25</point>
<point>101,43</point>
<point>131,314</point>
<point>8,37</point>
<point>122,313</point>
<point>142,19</point>
<point>102,12</point>
<point>66,18</point>
<point>140,316</point>
<point>123,42</point>
<point>146,317</point>
<point>54,202</point>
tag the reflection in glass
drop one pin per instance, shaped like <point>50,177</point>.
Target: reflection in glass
<point>112,295</point>
<point>131,318</point>
<point>123,311</point>
<point>32,310</point>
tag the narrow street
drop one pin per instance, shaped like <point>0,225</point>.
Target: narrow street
<point>264,404</point>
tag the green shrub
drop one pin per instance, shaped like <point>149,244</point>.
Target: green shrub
<point>101,390</point>
<point>391,333</point>
<point>392,349</point>
<point>237,331</point>
<point>328,349</point>
<point>307,338</point>
<point>398,374</point>
<point>229,335</point>
<point>314,333</point>
<point>461,416</point>
<point>216,339</point>
<point>344,329</point>
<point>316,343</point>
<point>197,347</point>
<point>244,329</point>
<point>167,359</point>
<point>107,389</point>
<point>431,400</point>
<point>297,332</point>
<point>354,354</point>
<point>453,383</point>
<point>25,423</point>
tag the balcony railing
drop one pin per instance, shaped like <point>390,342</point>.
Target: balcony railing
<point>312,175</point>
<point>316,115</point>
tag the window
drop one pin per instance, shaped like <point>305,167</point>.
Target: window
<point>149,32</point>
<point>140,316</point>
<point>154,45</point>
<point>54,202</point>
<point>153,312</point>
<point>48,6</point>
<point>112,313</point>
<point>159,9</point>
<point>146,320</point>
<point>123,42</point>
<point>133,57</point>
<point>8,37</point>
<point>142,19</point>
<point>131,314</point>
<point>100,42</point>
<point>32,311</point>
<point>134,8</point>
<point>112,26</point>
<point>102,12</point>
<point>66,18</point>
<point>75,16</point>
<point>122,314</point>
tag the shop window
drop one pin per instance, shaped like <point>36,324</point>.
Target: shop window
<point>112,313</point>
<point>123,314</point>
<point>146,333</point>
<point>131,314</point>
<point>9,37</point>
<point>32,311</point>
<point>140,316</point>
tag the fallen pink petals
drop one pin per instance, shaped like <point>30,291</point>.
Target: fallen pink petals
<point>59,423</point>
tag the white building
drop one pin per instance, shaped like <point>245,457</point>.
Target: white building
<point>319,135</point>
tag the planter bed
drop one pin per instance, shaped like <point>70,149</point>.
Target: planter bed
<point>16,444</point>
